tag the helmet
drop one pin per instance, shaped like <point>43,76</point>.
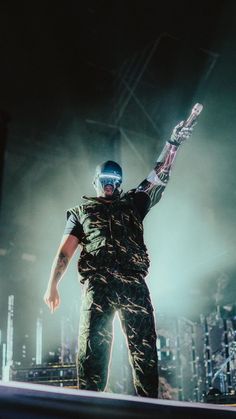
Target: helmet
<point>107,173</point>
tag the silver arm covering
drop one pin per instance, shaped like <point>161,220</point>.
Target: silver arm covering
<point>156,181</point>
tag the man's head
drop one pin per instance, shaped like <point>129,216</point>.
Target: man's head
<point>107,179</point>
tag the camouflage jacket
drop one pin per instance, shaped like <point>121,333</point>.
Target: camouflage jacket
<point>112,235</point>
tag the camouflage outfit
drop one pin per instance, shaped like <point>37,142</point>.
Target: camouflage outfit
<point>129,296</point>
<point>113,265</point>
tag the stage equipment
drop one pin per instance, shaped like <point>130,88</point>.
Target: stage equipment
<point>208,354</point>
<point>54,375</point>
<point>8,349</point>
<point>39,339</point>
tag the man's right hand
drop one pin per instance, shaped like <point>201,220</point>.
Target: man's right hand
<point>64,254</point>
<point>52,298</point>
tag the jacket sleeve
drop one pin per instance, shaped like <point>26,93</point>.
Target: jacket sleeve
<point>155,183</point>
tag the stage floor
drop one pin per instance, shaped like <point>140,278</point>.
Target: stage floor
<point>29,401</point>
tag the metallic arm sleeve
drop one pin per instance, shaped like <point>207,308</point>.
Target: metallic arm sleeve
<point>157,179</point>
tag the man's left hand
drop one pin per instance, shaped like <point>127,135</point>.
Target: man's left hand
<point>181,133</point>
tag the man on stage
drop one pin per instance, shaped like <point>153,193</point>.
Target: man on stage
<point>113,265</point>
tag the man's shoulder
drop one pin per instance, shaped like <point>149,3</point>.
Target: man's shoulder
<point>135,195</point>
<point>79,208</point>
<point>76,210</point>
<point>128,196</point>
<point>73,211</point>
<point>139,201</point>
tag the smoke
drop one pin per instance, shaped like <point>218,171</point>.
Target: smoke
<point>186,233</point>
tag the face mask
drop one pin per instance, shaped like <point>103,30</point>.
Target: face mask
<point>107,173</point>
<point>106,179</point>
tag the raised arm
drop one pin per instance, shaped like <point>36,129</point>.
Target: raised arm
<point>156,181</point>
<point>66,250</point>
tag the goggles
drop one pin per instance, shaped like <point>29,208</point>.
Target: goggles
<point>109,179</point>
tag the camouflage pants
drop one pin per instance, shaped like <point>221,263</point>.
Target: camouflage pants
<point>104,295</point>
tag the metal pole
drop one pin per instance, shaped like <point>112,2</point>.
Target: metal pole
<point>39,339</point>
<point>179,363</point>
<point>194,366</point>
<point>9,346</point>
<point>227,356</point>
<point>4,353</point>
<point>208,358</point>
